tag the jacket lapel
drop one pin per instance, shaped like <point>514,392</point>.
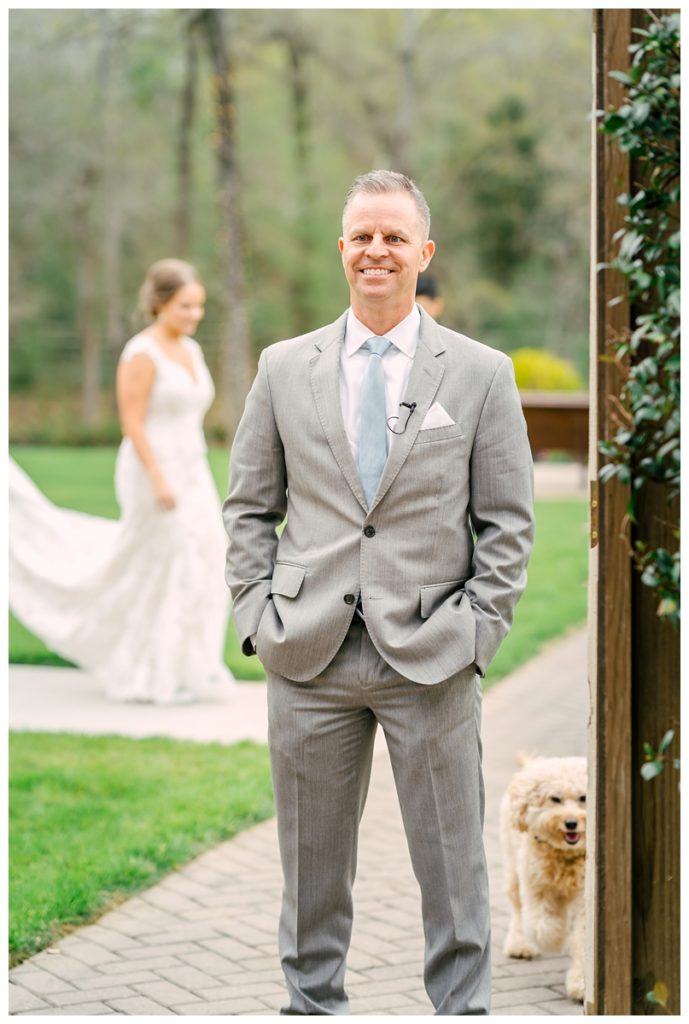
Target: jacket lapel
<point>424,381</point>
<point>325,384</point>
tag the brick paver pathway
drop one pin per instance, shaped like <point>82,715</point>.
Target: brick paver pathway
<point>203,941</point>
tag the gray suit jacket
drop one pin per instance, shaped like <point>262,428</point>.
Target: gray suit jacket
<point>440,557</point>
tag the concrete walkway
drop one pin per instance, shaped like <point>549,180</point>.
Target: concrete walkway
<point>203,941</point>
<point>49,699</point>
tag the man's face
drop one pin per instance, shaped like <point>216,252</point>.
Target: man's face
<point>383,251</point>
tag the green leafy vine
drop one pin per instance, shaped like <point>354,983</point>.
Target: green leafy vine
<point>646,444</point>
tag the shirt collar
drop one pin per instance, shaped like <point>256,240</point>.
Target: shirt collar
<point>404,335</point>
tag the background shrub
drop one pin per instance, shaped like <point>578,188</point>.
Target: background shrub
<point>538,370</point>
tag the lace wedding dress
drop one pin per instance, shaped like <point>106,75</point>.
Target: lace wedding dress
<point>141,601</point>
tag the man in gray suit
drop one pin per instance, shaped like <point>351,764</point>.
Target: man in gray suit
<point>397,451</point>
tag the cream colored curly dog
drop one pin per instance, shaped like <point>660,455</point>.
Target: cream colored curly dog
<point>543,836</point>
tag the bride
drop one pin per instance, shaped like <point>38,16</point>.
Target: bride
<point>140,602</point>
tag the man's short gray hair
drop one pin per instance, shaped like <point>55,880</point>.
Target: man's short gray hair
<point>380,181</point>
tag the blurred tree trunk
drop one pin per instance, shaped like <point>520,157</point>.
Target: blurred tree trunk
<point>235,362</point>
<point>393,128</point>
<point>401,138</point>
<point>112,57</point>
<point>302,276</point>
<point>87,295</point>
<point>184,141</point>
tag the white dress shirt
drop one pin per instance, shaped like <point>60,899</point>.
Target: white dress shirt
<point>397,364</point>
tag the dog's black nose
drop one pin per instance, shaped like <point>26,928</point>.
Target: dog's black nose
<point>571,825</point>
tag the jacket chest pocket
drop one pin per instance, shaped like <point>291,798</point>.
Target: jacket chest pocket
<point>452,430</point>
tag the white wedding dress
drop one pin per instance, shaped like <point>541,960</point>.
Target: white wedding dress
<point>140,602</point>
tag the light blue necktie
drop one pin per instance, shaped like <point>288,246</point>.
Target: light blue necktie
<point>373,431</point>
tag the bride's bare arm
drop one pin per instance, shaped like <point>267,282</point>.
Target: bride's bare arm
<point>134,382</point>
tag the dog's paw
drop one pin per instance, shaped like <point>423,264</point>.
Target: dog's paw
<point>517,946</point>
<point>519,951</point>
<point>574,984</point>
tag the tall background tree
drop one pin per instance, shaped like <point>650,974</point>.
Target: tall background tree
<point>235,366</point>
<point>185,140</point>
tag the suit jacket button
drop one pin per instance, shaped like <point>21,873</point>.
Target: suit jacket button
<point>369,531</point>
<point>349,598</point>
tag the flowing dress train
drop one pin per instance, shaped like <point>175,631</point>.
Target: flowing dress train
<point>141,601</point>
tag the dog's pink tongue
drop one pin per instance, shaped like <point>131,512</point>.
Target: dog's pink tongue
<point>572,837</point>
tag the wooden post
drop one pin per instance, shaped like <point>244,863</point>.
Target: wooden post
<point>609,881</point>
<point>632,885</point>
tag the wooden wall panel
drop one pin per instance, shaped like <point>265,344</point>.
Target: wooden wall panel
<point>655,804</point>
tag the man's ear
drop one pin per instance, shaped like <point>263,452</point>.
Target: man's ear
<point>340,244</point>
<point>426,255</point>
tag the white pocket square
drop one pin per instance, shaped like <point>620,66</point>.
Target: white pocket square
<point>436,417</point>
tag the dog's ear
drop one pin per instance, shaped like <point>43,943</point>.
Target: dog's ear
<point>520,791</point>
<point>524,757</point>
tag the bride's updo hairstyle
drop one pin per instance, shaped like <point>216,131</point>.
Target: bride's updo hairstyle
<point>163,279</point>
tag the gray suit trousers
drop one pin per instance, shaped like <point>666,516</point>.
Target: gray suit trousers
<point>321,736</point>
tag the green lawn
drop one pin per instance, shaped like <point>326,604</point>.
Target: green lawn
<point>556,594</point>
<point>94,819</point>
<point>555,597</point>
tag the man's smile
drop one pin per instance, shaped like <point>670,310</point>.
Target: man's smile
<point>376,271</point>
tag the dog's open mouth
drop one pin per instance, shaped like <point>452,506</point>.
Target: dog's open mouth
<point>572,838</point>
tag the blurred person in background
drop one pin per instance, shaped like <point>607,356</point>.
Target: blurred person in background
<point>428,295</point>
<point>139,602</point>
